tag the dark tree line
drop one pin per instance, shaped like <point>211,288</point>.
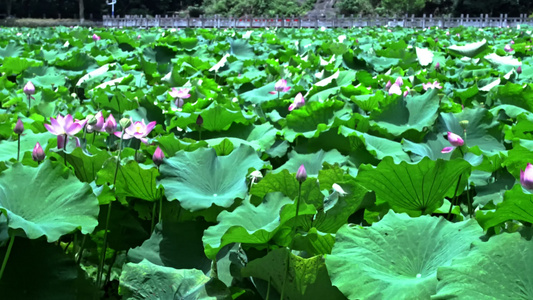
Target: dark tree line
<point>97,8</point>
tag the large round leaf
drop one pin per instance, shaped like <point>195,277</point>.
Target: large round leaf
<point>200,179</point>
<point>413,188</point>
<point>469,50</point>
<point>397,257</point>
<point>146,280</point>
<point>48,200</point>
<point>498,269</point>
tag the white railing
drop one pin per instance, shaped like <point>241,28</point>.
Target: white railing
<point>314,22</point>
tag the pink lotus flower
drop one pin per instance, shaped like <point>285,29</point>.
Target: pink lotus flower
<point>64,126</point>
<point>455,141</point>
<point>395,89</point>
<point>158,156</point>
<point>110,124</point>
<point>511,42</point>
<point>37,153</point>
<point>388,85</point>
<point>299,101</point>
<point>406,92</point>
<point>280,87</point>
<point>447,33</point>
<point>181,93</point>
<point>138,130</point>
<point>29,89</point>
<point>96,38</point>
<point>508,48</point>
<point>399,81</point>
<point>526,177</point>
<point>99,123</point>
<point>429,85</point>
<point>301,175</point>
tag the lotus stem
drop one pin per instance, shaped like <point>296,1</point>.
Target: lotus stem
<point>113,260</point>
<point>82,247</point>
<point>29,104</point>
<point>269,279</point>
<point>108,217</point>
<point>290,248</point>
<point>454,196</point>
<point>65,148</point>
<point>153,216</point>
<point>18,147</point>
<point>6,256</point>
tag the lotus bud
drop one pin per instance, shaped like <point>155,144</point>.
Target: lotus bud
<point>526,177</point>
<point>301,175</point>
<point>455,140</point>
<point>125,122</point>
<point>437,66</point>
<point>37,153</point>
<point>19,127</point>
<point>158,156</point>
<point>179,103</point>
<point>29,88</point>
<point>463,123</point>
<point>519,70</point>
<point>110,124</point>
<point>199,120</point>
<point>96,38</point>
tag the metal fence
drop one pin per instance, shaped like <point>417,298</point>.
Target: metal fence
<point>315,22</point>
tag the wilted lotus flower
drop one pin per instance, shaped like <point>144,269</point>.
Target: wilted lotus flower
<point>96,38</point>
<point>29,89</point>
<point>98,125</point>
<point>395,89</point>
<point>429,85</point>
<point>63,126</point>
<point>526,177</point>
<point>301,175</point>
<point>280,87</point>
<point>110,124</point>
<point>138,130</point>
<point>37,153</point>
<point>299,101</point>
<point>399,81</point>
<point>455,140</point>
<point>158,156</point>
<point>19,127</point>
<point>508,48</point>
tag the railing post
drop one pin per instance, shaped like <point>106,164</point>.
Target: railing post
<point>316,22</point>
<point>424,21</point>
<point>351,21</point>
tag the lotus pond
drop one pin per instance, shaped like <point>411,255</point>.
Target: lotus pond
<point>374,163</point>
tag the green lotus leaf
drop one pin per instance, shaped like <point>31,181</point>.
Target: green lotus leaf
<point>469,50</point>
<point>86,165</point>
<point>39,270</point>
<point>431,148</point>
<point>516,205</point>
<point>413,188</point>
<point>146,280</point>
<point>165,246</point>
<point>397,257</point>
<point>497,269</point>
<point>133,179</point>
<point>312,162</point>
<point>246,224</point>
<point>377,146</point>
<point>311,119</point>
<point>413,113</point>
<point>47,200</point>
<point>200,179</point>
<point>307,278</point>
